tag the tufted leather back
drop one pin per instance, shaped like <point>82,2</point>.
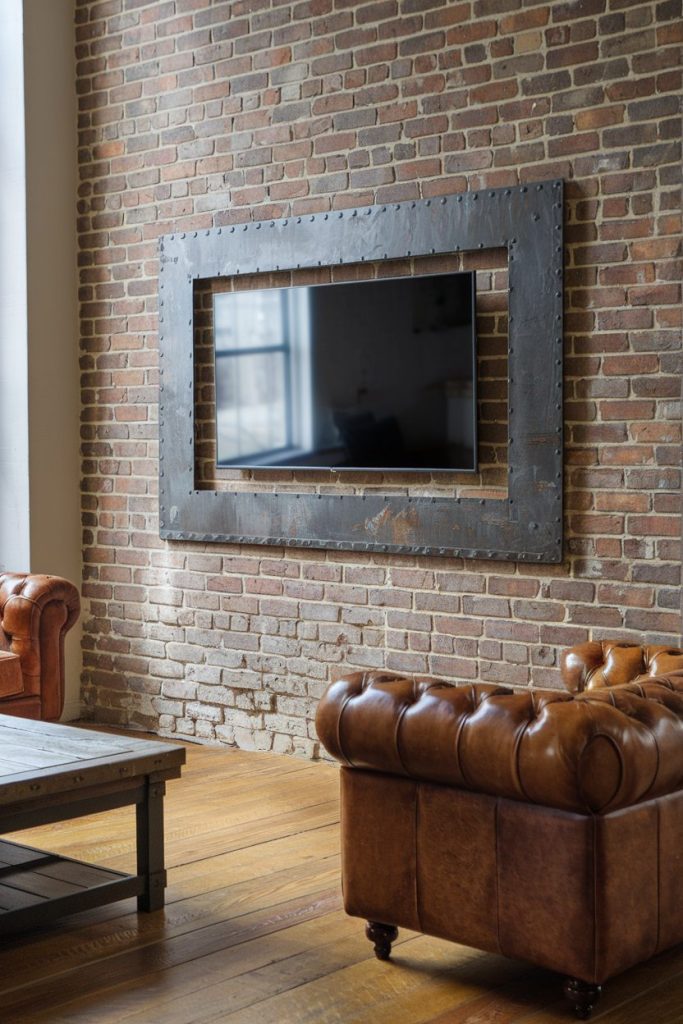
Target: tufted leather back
<point>595,751</point>
<point>611,663</point>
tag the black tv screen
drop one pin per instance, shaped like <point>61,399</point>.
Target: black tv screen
<point>361,375</point>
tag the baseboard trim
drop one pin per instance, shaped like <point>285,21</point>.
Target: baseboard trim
<point>73,709</point>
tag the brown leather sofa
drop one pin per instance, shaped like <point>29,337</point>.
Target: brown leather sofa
<point>543,825</point>
<point>36,612</point>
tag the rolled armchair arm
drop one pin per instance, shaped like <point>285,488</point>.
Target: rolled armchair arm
<point>36,611</point>
<point>592,752</point>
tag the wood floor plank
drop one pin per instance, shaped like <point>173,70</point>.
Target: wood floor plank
<point>253,931</point>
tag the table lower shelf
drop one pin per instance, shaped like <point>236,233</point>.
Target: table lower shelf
<point>38,887</point>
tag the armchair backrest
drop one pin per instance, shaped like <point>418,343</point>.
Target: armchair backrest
<point>612,663</point>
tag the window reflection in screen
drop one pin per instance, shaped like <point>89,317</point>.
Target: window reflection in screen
<point>262,379</point>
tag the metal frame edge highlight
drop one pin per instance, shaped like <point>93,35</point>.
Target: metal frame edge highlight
<point>527,220</point>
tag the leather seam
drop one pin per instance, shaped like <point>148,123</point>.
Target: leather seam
<point>346,760</point>
<point>594,843</point>
<point>418,790</point>
<point>515,761</point>
<point>620,759</point>
<point>497,837</point>
<point>659,878</point>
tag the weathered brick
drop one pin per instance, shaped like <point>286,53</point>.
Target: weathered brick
<point>311,106</point>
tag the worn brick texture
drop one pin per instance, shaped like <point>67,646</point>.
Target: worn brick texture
<point>197,113</point>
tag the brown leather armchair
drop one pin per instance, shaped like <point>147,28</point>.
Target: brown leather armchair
<point>544,825</point>
<point>36,612</point>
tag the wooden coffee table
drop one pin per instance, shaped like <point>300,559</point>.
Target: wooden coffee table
<point>52,772</point>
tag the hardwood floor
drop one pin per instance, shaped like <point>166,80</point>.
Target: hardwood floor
<point>253,931</point>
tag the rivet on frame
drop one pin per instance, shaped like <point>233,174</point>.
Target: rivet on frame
<point>183,235</point>
<point>298,220</point>
<point>220,231</point>
<point>232,230</point>
<point>355,213</point>
<point>428,203</point>
<point>459,199</point>
<point>384,209</point>
<point>443,201</point>
<point>285,222</point>
<point>476,195</point>
<point>272,223</point>
<point>312,217</point>
<point>535,216</point>
<point>340,214</point>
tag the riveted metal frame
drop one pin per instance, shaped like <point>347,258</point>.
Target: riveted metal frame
<point>527,525</point>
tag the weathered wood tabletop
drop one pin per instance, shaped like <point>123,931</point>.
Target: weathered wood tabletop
<point>51,772</point>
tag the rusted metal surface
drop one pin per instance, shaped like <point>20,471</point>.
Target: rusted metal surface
<point>527,525</point>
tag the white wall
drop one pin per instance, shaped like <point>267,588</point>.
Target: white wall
<point>14,475</point>
<point>52,293</point>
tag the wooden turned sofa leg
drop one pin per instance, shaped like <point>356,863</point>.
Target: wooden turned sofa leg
<point>381,935</point>
<point>582,997</point>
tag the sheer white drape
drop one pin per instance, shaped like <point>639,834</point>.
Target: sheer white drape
<point>14,473</point>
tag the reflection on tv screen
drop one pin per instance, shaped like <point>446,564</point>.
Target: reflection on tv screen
<point>360,375</point>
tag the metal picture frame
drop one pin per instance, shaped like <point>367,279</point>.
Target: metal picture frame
<point>525,220</point>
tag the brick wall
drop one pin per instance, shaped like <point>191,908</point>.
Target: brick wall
<point>195,113</point>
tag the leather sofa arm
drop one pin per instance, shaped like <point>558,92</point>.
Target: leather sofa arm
<point>36,611</point>
<point>593,752</point>
<point>610,663</point>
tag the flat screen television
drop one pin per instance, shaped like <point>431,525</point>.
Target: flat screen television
<point>365,375</point>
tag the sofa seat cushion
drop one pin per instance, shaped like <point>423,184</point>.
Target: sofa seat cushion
<point>11,678</point>
<point>591,752</point>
